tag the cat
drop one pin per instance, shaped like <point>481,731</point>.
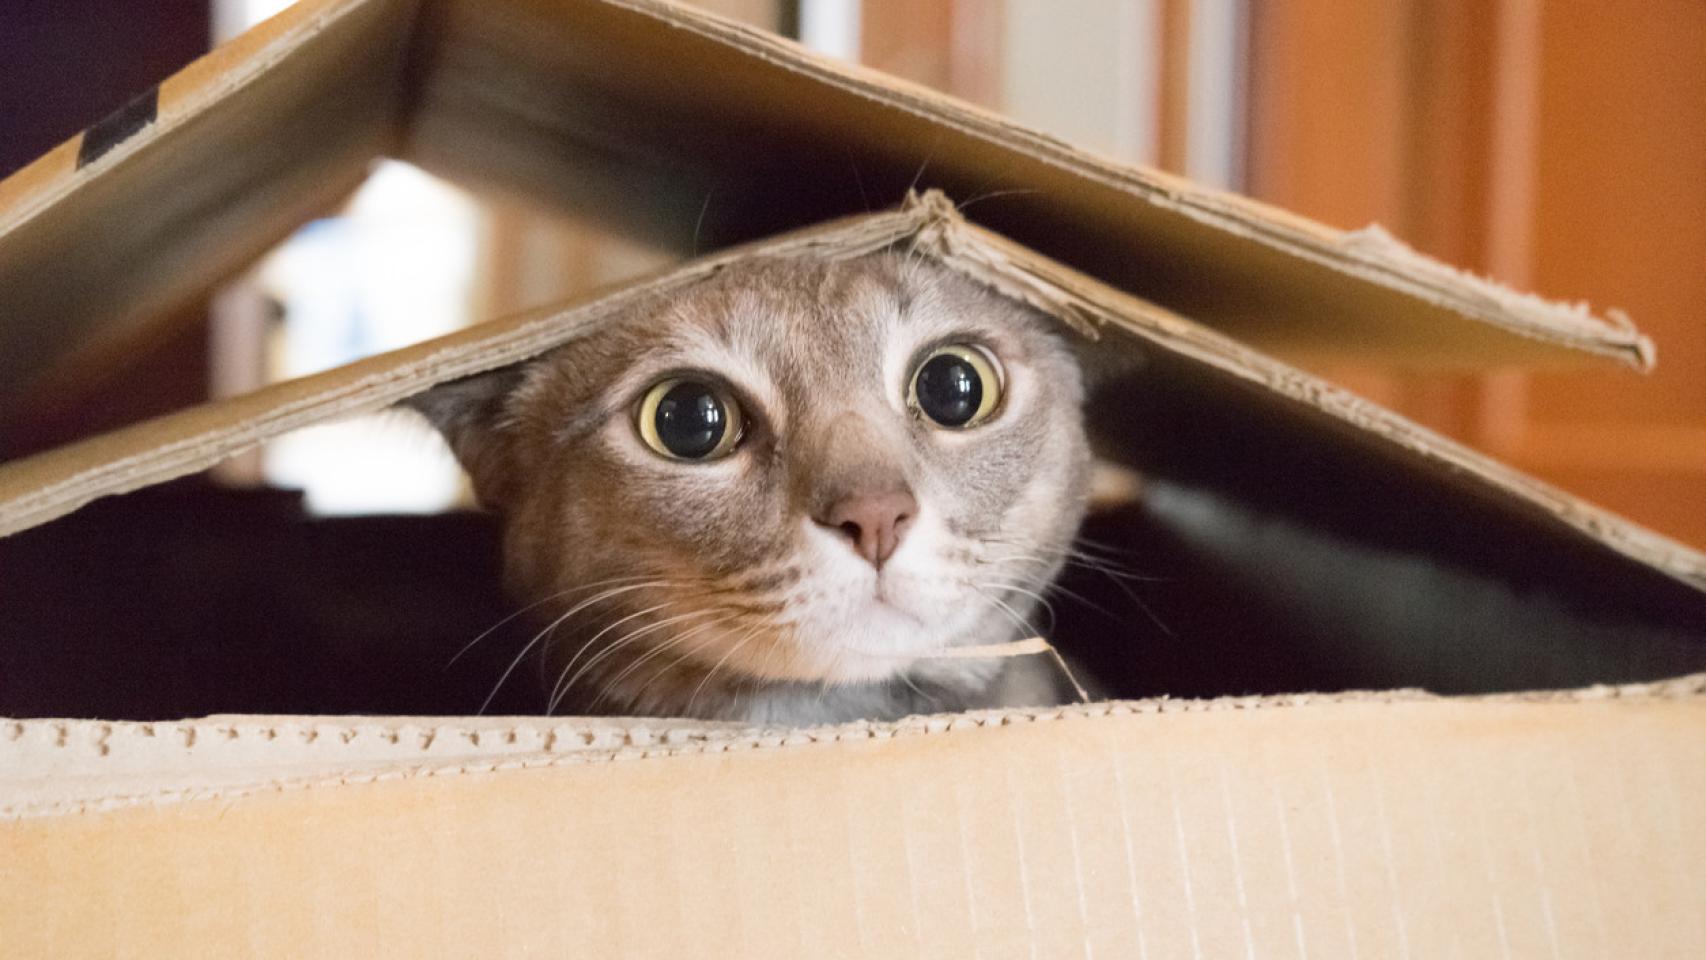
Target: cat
<point>772,495</point>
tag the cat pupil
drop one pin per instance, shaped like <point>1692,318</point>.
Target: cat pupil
<point>949,390</point>
<point>691,420</point>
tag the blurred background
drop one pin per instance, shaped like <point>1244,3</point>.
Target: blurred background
<point>1556,145</point>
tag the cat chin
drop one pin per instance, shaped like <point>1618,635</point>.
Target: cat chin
<point>877,637</point>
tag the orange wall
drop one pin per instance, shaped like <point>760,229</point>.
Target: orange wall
<point>1560,146</point>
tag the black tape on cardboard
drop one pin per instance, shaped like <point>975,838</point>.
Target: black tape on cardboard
<point>118,126</point>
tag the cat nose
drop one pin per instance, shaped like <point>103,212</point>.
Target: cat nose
<point>872,522</point>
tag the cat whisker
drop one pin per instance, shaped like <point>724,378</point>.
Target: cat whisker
<point>760,674</point>
<point>904,678</point>
<point>559,687</point>
<point>660,672</point>
<point>607,594</point>
<point>632,636</point>
<point>1119,580</point>
<point>1106,548</point>
<point>488,631</point>
<point>823,685</point>
<point>532,606</point>
<point>1025,627</point>
<point>1058,590</point>
<point>754,632</point>
<point>1080,558</point>
<point>924,165</point>
<point>991,195</point>
<point>859,182</point>
<point>1023,591</point>
<point>697,224</point>
<point>1113,573</point>
<point>671,643</point>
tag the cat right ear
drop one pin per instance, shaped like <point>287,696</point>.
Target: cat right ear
<point>469,414</point>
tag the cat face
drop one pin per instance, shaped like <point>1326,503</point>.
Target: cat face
<point>791,472</point>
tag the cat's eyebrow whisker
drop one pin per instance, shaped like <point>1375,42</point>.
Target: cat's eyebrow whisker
<point>992,194</point>
<point>925,164</point>
<point>607,594</point>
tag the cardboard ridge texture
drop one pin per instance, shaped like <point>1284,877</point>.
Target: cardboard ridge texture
<point>56,767</point>
<point>1389,823</point>
<point>599,107</point>
<point>1374,826</point>
<point>49,485</point>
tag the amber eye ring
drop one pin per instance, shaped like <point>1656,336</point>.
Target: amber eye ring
<point>692,419</point>
<point>958,386</point>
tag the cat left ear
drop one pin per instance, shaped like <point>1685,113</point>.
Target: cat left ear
<point>469,414</point>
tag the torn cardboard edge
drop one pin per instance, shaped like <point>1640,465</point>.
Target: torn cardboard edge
<point>69,767</point>
<point>1370,254</point>
<point>227,83</point>
<point>41,488</point>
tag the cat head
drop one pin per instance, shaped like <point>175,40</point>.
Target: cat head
<point>792,471</point>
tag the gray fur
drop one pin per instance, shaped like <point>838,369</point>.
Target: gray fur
<point>705,589</point>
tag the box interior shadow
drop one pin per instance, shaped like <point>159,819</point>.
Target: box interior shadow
<point>1265,554</point>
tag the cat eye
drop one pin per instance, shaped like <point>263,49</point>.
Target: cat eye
<point>957,386</point>
<point>687,419</point>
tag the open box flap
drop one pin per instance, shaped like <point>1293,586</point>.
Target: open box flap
<point>678,126</point>
<point>1380,825</point>
<point>40,488</point>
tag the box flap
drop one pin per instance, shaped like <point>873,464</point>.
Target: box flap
<point>127,223</point>
<point>1394,825</point>
<point>40,488</point>
<point>679,126</point>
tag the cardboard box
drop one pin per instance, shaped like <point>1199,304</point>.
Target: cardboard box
<point>1373,824</point>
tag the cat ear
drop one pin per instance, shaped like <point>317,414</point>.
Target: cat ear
<point>469,413</point>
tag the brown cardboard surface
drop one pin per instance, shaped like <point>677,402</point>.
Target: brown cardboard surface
<point>37,489</point>
<point>635,111</point>
<point>249,142</point>
<point>1373,826</point>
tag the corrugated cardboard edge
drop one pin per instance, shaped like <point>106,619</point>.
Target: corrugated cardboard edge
<point>183,96</point>
<point>42,488</point>
<point>1086,304</point>
<point>1370,254</point>
<point>70,767</point>
<point>38,489</point>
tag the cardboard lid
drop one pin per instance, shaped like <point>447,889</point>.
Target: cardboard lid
<point>1372,825</point>
<point>38,489</point>
<point>676,125</point>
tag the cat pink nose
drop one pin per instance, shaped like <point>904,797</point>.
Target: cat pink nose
<point>873,522</point>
